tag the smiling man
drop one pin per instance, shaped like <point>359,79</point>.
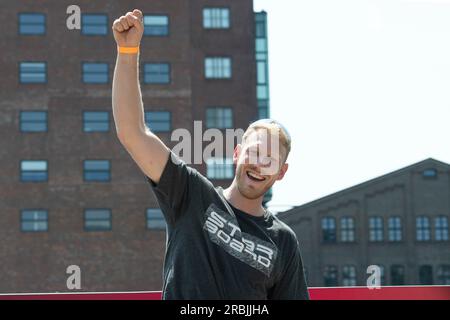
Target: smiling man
<point>221,244</point>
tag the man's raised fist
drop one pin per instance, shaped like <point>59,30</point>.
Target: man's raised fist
<point>128,29</point>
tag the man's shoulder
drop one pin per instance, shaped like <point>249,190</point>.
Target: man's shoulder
<point>284,230</point>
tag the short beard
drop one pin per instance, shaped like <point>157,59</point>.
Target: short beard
<point>252,195</point>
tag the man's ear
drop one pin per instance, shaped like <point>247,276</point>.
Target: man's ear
<point>237,153</point>
<point>282,172</point>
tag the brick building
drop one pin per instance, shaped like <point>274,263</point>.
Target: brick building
<point>70,193</point>
<point>398,222</point>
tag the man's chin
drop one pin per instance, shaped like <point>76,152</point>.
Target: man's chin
<point>250,194</point>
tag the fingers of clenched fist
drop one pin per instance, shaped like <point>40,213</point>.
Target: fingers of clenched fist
<point>131,19</point>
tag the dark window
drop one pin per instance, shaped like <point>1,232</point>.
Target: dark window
<point>347,229</point>
<point>156,25</point>
<point>376,229</point>
<point>219,168</point>
<point>33,170</point>
<point>34,220</point>
<point>155,219</point>
<point>97,170</point>
<point>97,219</point>
<point>94,24</point>
<point>328,229</point>
<point>33,121</point>
<point>330,276</point>
<point>221,118</point>
<point>31,23</point>
<point>218,68</point>
<point>33,72</point>
<point>158,121</point>
<point>395,229</point>
<point>156,73</point>
<point>348,276</point>
<point>94,73</point>
<point>441,228</point>
<point>397,275</point>
<point>423,232</point>
<point>443,274</point>
<point>426,275</point>
<point>216,18</point>
<point>95,121</point>
<point>429,173</point>
<point>263,109</point>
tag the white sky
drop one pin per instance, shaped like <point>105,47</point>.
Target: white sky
<point>362,85</point>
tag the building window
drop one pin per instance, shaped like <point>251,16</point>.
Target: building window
<point>395,229</point>
<point>95,121</point>
<point>376,229</point>
<point>33,121</point>
<point>221,118</point>
<point>156,25</point>
<point>441,228</point>
<point>97,219</point>
<point>96,170</point>
<point>429,173</point>
<point>95,73</point>
<point>94,24</point>
<point>347,229</point>
<point>426,275</point>
<point>218,68</point>
<point>33,72</point>
<point>33,170</point>
<point>330,276</point>
<point>423,232</point>
<point>348,276</point>
<point>34,220</point>
<point>216,18</point>
<point>443,275</point>
<point>397,275</point>
<point>156,73</point>
<point>219,168</point>
<point>158,121</point>
<point>155,219</point>
<point>328,230</point>
<point>31,23</point>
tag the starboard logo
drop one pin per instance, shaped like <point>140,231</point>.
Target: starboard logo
<point>224,231</point>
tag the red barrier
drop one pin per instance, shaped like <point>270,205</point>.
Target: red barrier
<point>338,293</point>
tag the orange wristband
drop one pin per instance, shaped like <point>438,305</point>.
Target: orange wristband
<point>129,50</point>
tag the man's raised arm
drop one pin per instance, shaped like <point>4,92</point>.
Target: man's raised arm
<point>146,149</point>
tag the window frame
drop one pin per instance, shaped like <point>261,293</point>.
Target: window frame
<point>95,14</point>
<point>28,121</point>
<point>110,220</point>
<point>215,78</point>
<point>147,219</point>
<point>33,181</point>
<point>32,83</point>
<point>108,81</point>
<point>147,112</point>
<point>157,15</point>
<point>30,13</point>
<point>85,111</point>
<point>21,220</point>
<point>102,181</point>
<point>220,8</point>
<point>169,73</point>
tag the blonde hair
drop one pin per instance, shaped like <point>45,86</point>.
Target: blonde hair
<point>273,127</point>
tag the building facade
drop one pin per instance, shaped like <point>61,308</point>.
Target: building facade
<point>397,222</point>
<point>70,193</point>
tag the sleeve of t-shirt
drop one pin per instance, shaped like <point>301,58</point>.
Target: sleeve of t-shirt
<point>175,188</point>
<point>291,284</point>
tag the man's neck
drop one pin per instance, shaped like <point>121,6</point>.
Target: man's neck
<point>237,200</point>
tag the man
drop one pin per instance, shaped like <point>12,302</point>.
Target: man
<point>221,244</point>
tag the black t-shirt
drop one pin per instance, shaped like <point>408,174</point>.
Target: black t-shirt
<point>214,251</point>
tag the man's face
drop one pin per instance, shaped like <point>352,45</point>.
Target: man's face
<point>259,163</point>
